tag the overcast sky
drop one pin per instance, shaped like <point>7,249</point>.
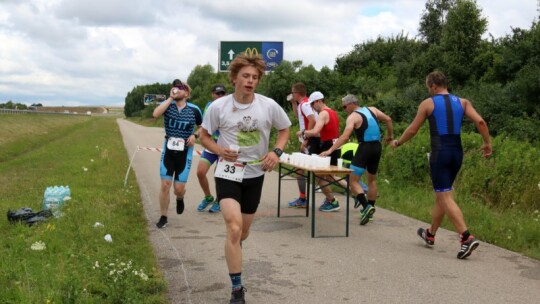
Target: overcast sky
<point>81,52</point>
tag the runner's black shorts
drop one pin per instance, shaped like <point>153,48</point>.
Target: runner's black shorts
<point>368,156</point>
<point>247,193</point>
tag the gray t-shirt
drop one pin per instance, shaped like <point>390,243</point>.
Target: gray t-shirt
<point>247,126</point>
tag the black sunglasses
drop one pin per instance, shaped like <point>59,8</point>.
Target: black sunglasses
<point>220,93</point>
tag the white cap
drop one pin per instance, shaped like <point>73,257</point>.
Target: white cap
<point>289,97</point>
<point>315,96</point>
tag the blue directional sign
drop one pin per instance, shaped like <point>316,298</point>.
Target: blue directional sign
<point>271,52</point>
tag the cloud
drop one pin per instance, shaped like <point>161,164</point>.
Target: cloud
<point>94,52</point>
<point>107,13</point>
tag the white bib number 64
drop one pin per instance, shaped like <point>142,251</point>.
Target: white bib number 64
<point>176,144</point>
<point>229,170</point>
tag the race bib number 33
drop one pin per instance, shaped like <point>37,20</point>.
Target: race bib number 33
<point>229,170</point>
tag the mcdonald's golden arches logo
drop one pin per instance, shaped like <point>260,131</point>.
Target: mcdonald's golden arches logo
<point>251,52</point>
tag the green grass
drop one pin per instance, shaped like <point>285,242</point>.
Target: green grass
<point>512,229</point>
<point>41,151</point>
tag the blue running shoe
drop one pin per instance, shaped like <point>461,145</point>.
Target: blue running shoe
<point>298,203</point>
<point>215,208</point>
<point>366,213</point>
<point>330,206</point>
<point>324,203</point>
<point>204,203</point>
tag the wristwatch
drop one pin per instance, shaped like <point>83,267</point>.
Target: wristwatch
<point>278,151</point>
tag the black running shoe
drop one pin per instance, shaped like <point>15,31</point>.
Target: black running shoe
<point>162,222</point>
<point>423,234</point>
<point>180,205</point>
<point>468,247</point>
<point>237,296</point>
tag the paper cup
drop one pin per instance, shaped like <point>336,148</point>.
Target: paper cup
<point>340,162</point>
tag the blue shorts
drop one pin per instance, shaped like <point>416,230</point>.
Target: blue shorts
<point>444,165</point>
<point>175,164</point>
<point>209,157</point>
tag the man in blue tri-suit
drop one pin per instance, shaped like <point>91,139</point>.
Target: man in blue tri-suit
<point>445,112</point>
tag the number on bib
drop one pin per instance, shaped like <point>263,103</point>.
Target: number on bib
<point>229,170</point>
<point>176,144</point>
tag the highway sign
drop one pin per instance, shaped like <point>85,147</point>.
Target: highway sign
<point>151,98</point>
<point>271,52</point>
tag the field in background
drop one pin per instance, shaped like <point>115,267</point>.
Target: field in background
<point>79,110</point>
<point>76,264</point>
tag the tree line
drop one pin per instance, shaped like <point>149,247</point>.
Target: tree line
<point>501,76</point>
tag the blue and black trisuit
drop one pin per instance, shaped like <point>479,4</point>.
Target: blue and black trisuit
<point>178,123</point>
<point>369,150</point>
<point>446,150</point>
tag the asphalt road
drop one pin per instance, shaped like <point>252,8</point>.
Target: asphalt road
<point>381,262</point>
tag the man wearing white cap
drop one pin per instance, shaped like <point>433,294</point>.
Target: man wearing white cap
<point>327,126</point>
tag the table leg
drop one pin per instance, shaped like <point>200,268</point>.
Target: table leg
<point>347,191</point>
<point>313,182</point>
<point>279,191</point>
<point>308,196</point>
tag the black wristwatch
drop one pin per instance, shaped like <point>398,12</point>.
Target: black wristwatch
<point>278,151</point>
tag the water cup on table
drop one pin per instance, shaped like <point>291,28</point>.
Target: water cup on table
<point>340,162</point>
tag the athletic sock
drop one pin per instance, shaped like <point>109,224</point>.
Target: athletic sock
<point>362,199</point>
<point>371,202</point>
<point>236,280</point>
<point>302,195</point>
<point>429,233</point>
<point>209,198</point>
<point>465,235</point>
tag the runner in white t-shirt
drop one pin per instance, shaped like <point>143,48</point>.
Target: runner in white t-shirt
<point>244,120</point>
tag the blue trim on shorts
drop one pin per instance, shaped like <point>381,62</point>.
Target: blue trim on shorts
<point>209,157</point>
<point>181,177</point>
<point>357,170</point>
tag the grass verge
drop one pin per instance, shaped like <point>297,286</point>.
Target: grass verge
<point>512,229</point>
<point>77,265</point>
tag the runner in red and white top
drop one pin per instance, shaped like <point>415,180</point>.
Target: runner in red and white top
<point>327,125</point>
<point>306,120</point>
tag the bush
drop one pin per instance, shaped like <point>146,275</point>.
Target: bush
<point>507,179</point>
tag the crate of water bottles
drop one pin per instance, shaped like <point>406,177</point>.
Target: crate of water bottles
<point>55,196</point>
<point>305,160</point>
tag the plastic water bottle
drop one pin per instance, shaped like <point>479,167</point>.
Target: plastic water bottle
<point>50,200</point>
<point>45,198</point>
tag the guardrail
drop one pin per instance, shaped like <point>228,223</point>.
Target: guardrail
<point>12,111</point>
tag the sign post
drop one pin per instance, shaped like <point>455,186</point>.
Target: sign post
<point>151,98</point>
<point>271,52</point>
